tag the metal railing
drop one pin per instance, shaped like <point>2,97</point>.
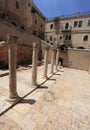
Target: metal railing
<point>71,15</point>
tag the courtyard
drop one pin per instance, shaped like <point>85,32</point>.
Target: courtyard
<point>60,103</point>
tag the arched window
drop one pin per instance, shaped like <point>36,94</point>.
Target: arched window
<point>51,26</point>
<point>85,38</point>
<point>17,4</point>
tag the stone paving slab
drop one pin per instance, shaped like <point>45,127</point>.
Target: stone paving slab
<point>24,86</point>
<point>61,103</point>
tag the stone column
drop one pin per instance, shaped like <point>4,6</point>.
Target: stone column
<point>89,69</point>
<point>46,61</point>
<point>52,60</point>
<point>57,58</point>
<point>12,51</point>
<point>34,64</point>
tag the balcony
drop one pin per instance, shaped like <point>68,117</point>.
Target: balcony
<point>68,29</point>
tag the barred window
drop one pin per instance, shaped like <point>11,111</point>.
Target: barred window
<point>85,38</point>
<point>75,24</point>
<point>80,24</point>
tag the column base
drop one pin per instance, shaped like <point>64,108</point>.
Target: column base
<point>13,99</point>
<point>45,77</point>
<point>34,85</point>
<point>51,72</point>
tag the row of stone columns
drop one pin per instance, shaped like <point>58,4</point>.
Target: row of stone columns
<point>12,43</point>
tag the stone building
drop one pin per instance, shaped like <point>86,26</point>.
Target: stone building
<point>23,19</point>
<point>72,30</point>
<point>23,14</point>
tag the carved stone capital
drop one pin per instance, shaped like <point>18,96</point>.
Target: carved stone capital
<point>35,45</point>
<point>11,39</point>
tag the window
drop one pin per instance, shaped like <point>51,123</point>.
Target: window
<point>51,26</point>
<point>60,37</point>
<point>80,24</point>
<point>35,21</point>
<point>88,22</point>
<point>50,38</point>
<point>69,37</point>
<point>85,38</point>
<point>67,25</point>
<point>41,25</point>
<point>75,24</point>
<point>66,37</point>
<point>17,4</point>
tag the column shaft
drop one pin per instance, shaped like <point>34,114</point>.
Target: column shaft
<point>52,60</point>
<point>12,66</point>
<point>57,58</point>
<point>34,64</point>
<point>46,62</point>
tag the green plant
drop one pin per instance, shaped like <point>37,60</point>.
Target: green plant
<point>57,24</point>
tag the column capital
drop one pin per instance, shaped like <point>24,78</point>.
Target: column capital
<point>53,48</point>
<point>58,49</point>
<point>47,47</point>
<point>12,39</point>
<point>35,45</point>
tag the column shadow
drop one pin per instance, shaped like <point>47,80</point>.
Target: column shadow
<point>52,79</point>
<point>42,87</point>
<point>28,101</point>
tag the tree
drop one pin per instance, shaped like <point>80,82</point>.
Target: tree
<point>57,26</point>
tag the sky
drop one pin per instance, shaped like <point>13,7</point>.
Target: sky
<point>53,8</point>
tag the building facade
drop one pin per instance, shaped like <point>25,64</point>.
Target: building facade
<point>23,14</point>
<point>23,19</point>
<point>73,31</point>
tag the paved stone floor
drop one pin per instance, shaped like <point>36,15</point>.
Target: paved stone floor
<point>61,103</point>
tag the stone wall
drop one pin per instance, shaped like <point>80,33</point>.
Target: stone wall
<point>3,54</point>
<point>24,53</point>
<point>76,58</point>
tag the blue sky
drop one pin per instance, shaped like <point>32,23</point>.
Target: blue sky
<point>52,8</point>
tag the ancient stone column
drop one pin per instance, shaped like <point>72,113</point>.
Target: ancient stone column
<point>12,51</point>
<point>52,60</point>
<point>57,58</point>
<point>34,64</point>
<point>89,69</point>
<point>46,61</point>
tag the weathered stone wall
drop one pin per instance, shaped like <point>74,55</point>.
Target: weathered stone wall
<point>76,58</point>
<point>3,54</point>
<point>24,54</point>
<point>24,16</point>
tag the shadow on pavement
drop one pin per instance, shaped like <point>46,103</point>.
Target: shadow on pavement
<point>42,87</point>
<point>52,79</point>
<point>29,101</point>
